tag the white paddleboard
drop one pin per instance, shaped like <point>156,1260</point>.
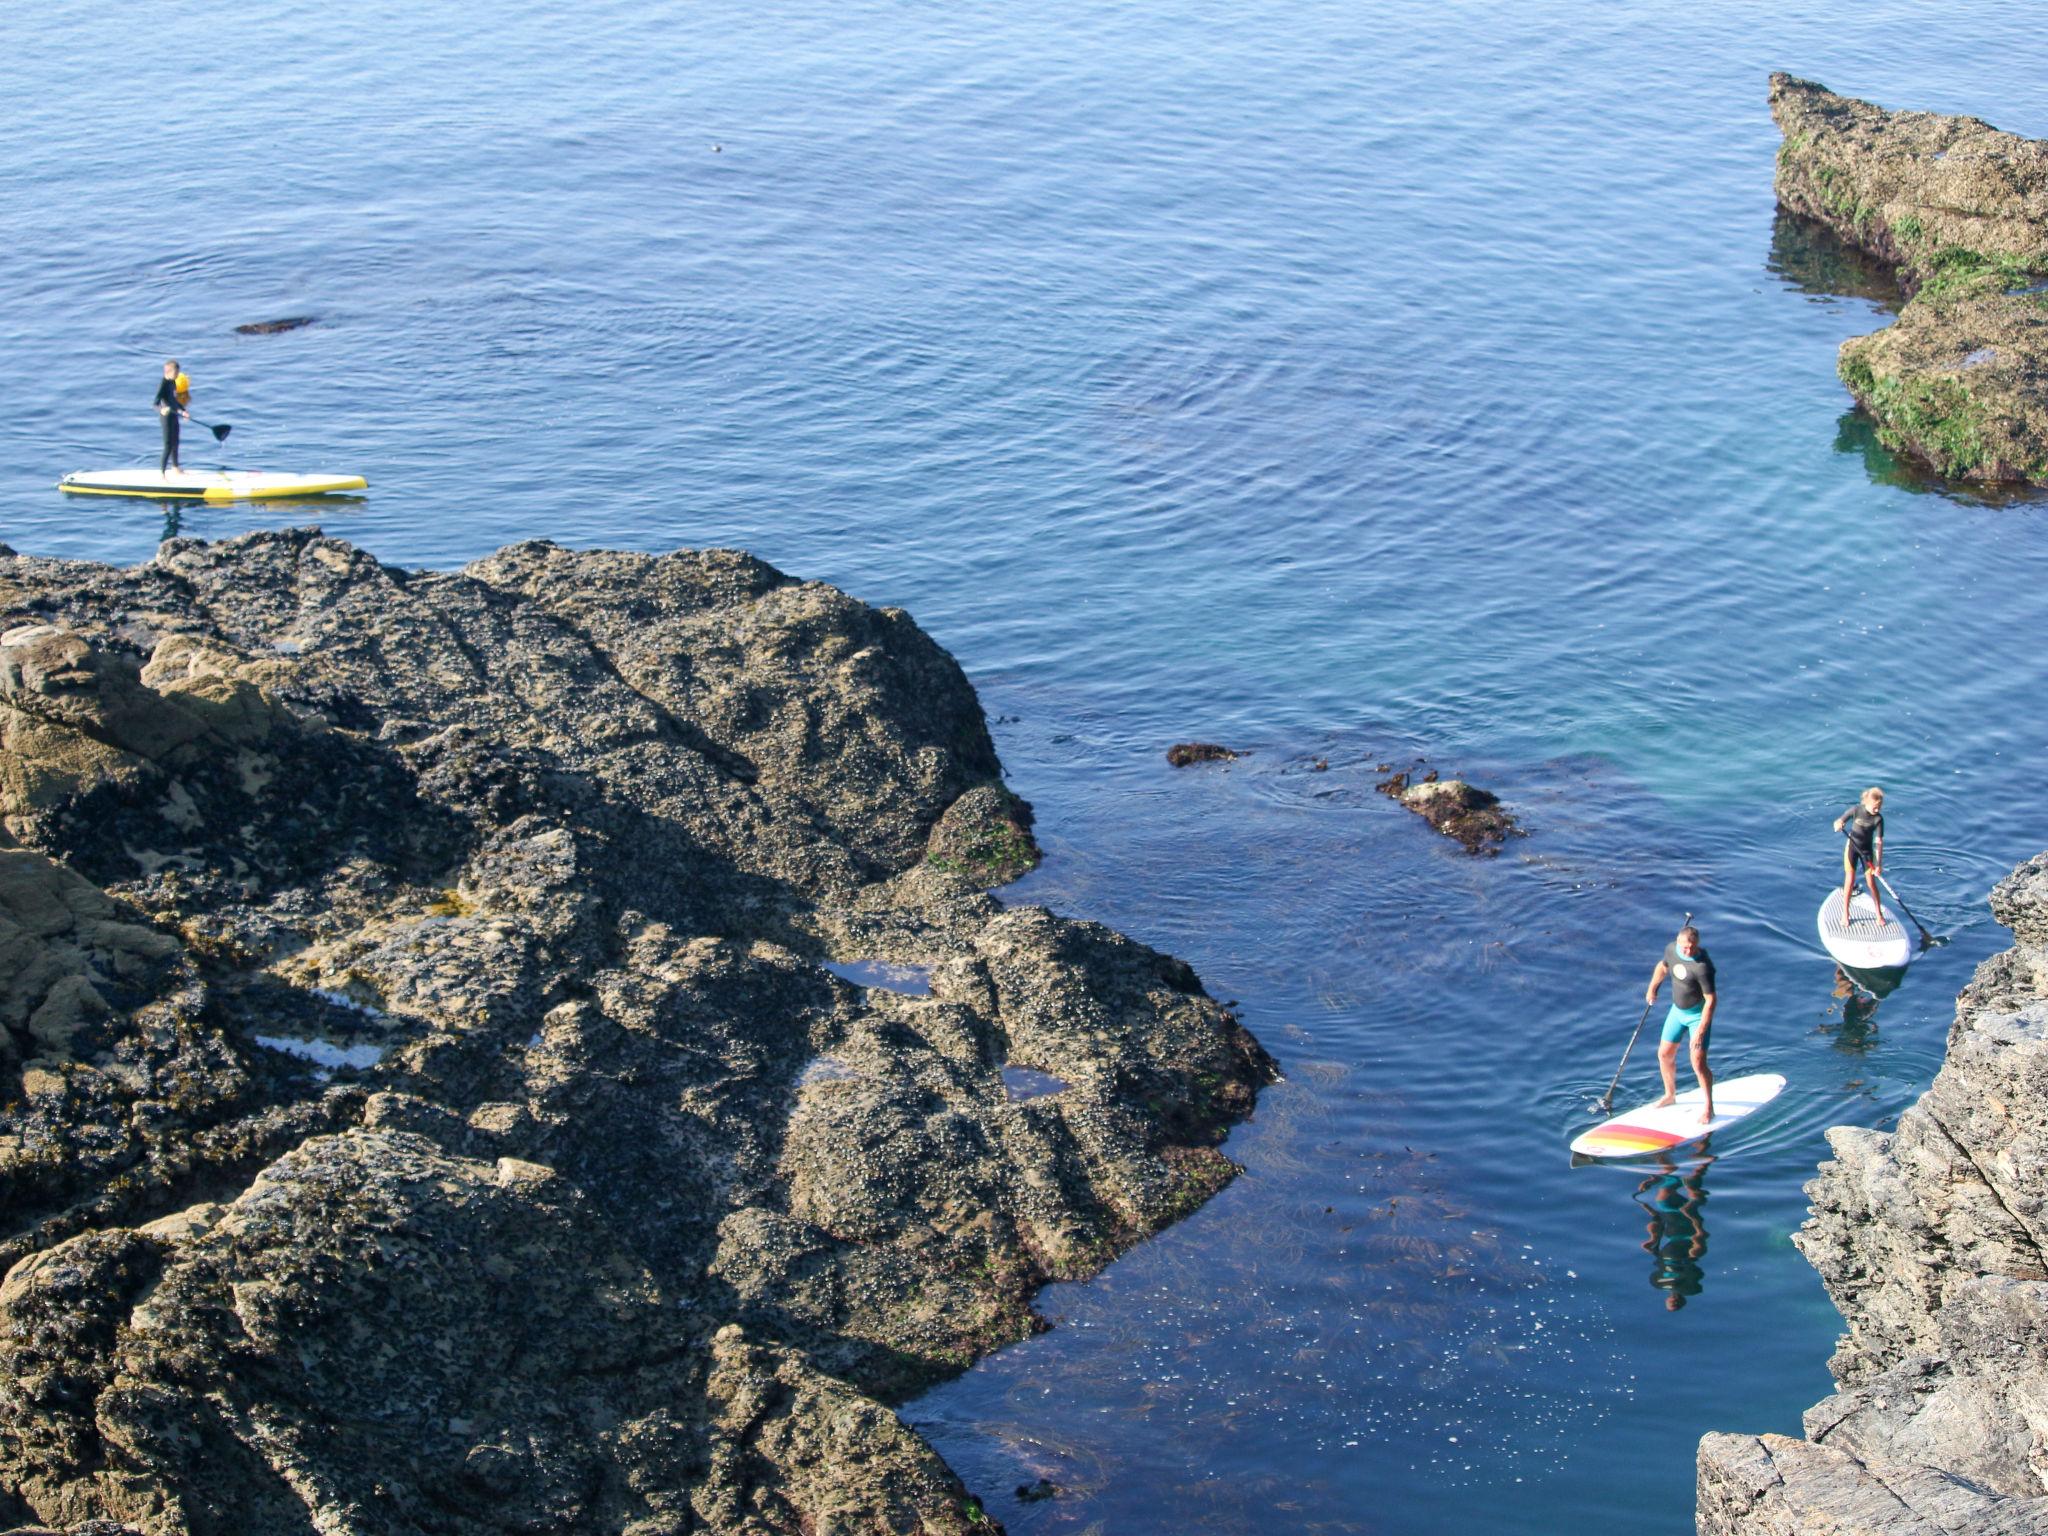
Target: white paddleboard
<point>1863,944</point>
<point>205,484</point>
<point>1650,1129</point>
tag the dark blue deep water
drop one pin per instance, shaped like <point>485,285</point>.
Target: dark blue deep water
<point>1353,381</point>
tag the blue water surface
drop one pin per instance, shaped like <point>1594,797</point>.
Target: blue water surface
<point>1354,382</point>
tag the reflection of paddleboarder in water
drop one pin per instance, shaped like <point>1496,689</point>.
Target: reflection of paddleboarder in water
<point>1692,1013</point>
<point>1677,1238</point>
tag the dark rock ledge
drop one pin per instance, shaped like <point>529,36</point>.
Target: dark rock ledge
<point>421,1103</point>
<point>1960,211</point>
<point>1932,1241</point>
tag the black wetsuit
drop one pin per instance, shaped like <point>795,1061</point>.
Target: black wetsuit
<point>167,402</point>
<point>1862,828</point>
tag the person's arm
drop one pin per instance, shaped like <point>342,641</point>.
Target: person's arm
<point>1707,1010</point>
<point>1877,849</point>
<point>1842,820</point>
<point>1656,981</point>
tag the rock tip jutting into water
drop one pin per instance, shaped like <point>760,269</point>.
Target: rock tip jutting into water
<point>426,1103</point>
<point>1932,1241</point>
<point>1960,211</point>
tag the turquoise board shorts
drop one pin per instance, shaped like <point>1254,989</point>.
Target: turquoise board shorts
<point>1679,1021</point>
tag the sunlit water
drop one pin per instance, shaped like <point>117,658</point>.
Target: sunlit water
<point>1340,381</point>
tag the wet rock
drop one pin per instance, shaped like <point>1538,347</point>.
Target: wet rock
<point>1038,1492</point>
<point>1932,1241</point>
<point>1771,1485</point>
<point>1960,211</point>
<point>1471,815</point>
<point>1184,754</point>
<point>273,327</point>
<point>412,996</point>
<point>985,836</point>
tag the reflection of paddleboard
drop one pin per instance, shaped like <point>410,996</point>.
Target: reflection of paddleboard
<point>205,484</point>
<point>1863,944</point>
<point>1651,1129</point>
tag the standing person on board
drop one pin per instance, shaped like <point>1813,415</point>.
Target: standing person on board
<point>170,404</point>
<point>1692,1013</point>
<point>1864,850</point>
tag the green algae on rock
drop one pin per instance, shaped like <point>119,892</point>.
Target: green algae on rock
<point>1960,211</point>
<point>415,988</point>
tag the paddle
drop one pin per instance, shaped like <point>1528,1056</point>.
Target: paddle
<point>220,433</point>
<point>1607,1099</point>
<point>1926,938</point>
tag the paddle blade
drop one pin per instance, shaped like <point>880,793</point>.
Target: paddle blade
<point>220,433</point>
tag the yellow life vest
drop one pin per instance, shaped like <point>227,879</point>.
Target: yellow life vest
<point>183,384</point>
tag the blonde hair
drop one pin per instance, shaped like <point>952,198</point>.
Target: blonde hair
<point>1875,789</point>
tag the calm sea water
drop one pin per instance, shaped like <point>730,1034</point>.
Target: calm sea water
<point>1353,381</point>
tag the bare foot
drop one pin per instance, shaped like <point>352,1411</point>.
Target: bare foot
<point>1880,917</point>
<point>1707,1115</point>
<point>1665,1102</point>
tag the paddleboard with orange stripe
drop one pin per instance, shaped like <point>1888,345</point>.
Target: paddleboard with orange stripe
<point>1655,1128</point>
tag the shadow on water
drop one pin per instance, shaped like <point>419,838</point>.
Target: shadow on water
<point>1811,258</point>
<point>1856,437</point>
<point>177,510</point>
<point>1675,1201</point>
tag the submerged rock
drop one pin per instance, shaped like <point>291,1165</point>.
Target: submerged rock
<point>1932,1241</point>
<point>1184,754</point>
<point>1960,211</point>
<point>1471,815</point>
<point>272,327</point>
<point>412,1008</point>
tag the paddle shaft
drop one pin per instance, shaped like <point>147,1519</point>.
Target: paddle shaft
<point>1607,1099</point>
<point>1899,901</point>
<point>220,433</point>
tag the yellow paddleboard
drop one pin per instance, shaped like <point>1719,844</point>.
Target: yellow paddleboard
<point>205,484</point>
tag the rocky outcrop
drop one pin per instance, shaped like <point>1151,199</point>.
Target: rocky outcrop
<point>1471,816</point>
<point>422,1102</point>
<point>1932,1241</point>
<point>1185,754</point>
<point>1960,211</point>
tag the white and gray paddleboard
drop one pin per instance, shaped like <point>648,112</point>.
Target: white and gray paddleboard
<point>1863,943</point>
<point>1652,1128</point>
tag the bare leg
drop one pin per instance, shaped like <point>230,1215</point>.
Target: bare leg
<point>1848,887</point>
<point>1701,1071</point>
<point>1667,1063</point>
<point>1870,879</point>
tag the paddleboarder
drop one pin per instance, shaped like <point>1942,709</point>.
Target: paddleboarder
<point>1864,850</point>
<point>1691,971</point>
<point>172,409</point>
